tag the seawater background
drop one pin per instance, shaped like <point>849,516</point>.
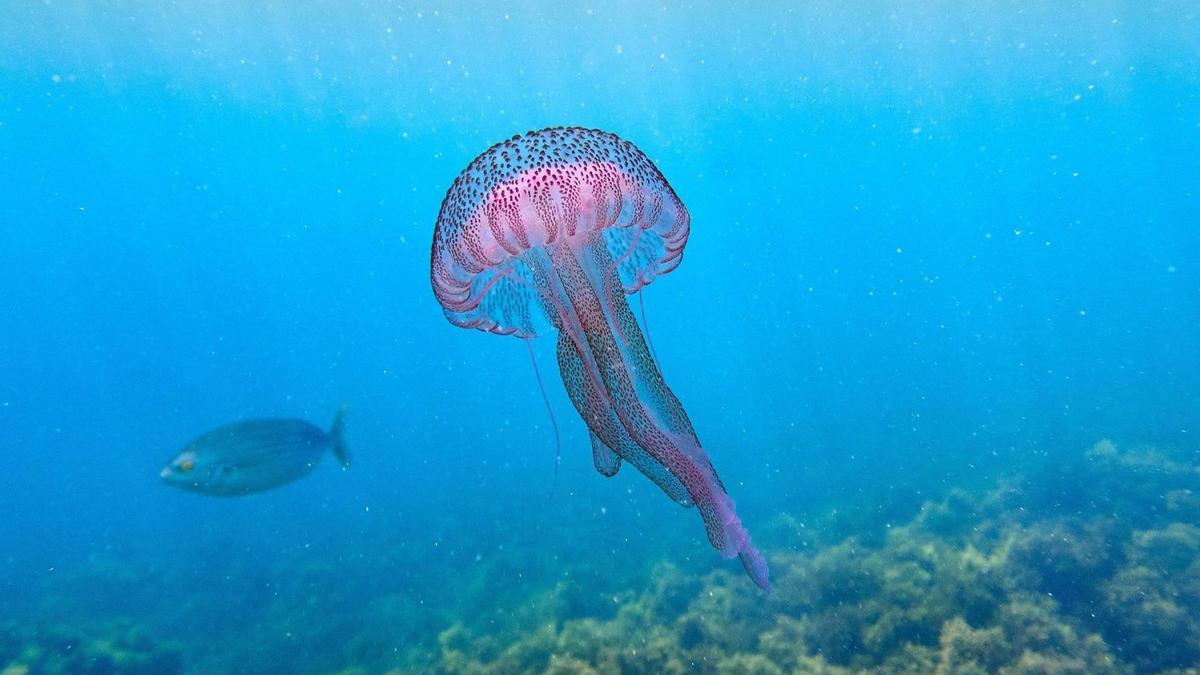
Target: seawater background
<point>932,244</point>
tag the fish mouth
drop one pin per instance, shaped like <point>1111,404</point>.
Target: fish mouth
<point>165,473</point>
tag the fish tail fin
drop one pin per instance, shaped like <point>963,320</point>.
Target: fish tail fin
<point>337,432</point>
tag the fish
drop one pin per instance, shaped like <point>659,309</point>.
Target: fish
<point>255,455</point>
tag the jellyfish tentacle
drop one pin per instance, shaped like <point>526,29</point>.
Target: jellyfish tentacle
<point>537,375</point>
<point>646,324</point>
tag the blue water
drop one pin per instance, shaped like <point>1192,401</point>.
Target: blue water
<point>932,246</point>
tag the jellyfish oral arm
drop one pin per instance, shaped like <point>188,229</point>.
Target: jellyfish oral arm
<point>619,391</point>
<point>608,434</point>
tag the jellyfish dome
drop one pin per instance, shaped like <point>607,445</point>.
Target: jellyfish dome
<point>555,186</point>
<point>550,231</point>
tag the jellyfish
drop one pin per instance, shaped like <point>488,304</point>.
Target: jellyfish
<point>549,232</point>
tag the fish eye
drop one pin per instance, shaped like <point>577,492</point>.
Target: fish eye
<point>186,465</point>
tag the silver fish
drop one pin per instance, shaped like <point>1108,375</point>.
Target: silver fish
<point>254,456</point>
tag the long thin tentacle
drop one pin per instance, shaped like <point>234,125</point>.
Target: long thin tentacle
<point>645,326</point>
<point>550,411</point>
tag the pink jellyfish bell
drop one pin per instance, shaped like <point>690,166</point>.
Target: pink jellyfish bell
<point>553,229</point>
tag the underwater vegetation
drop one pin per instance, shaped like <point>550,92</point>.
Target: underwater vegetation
<point>119,648</point>
<point>1031,574</point>
<point>1028,577</point>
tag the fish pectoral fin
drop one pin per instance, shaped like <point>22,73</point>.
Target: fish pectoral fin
<point>607,461</point>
